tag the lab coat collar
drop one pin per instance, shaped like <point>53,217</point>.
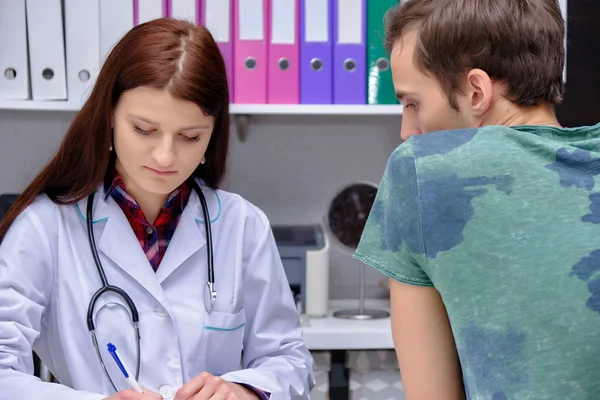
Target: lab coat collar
<point>190,236</point>
<point>116,239</point>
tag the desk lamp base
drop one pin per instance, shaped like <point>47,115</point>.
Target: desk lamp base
<point>361,313</point>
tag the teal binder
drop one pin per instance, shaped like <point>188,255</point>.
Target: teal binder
<point>380,88</point>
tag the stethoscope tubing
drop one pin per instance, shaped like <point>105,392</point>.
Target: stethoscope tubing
<point>210,294</point>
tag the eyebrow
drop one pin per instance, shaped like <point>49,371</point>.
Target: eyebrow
<point>188,128</point>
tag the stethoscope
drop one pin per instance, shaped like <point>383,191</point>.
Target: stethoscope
<point>210,294</point>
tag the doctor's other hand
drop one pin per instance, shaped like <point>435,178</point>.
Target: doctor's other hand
<point>131,394</point>
<point>209,387</point>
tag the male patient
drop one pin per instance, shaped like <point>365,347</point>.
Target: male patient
<point>487,219</point>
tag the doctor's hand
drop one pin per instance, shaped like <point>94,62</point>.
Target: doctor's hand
<point>209,387</point>
<point>131,394</point>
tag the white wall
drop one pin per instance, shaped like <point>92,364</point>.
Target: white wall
<point>289,166</point>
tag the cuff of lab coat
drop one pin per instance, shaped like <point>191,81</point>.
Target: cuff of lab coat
<point>262,395</point>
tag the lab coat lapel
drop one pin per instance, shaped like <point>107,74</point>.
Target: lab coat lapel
<point>189,237</point>
<point>118,242</point>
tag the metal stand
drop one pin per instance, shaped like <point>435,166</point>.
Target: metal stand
<point>361,313</point>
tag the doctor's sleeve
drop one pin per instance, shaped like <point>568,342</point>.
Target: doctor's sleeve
<point>392,239</point>
<point>275,358</point>
<point>26,279</point>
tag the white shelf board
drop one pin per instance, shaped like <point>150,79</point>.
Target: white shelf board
<point>236,109</point>
<point>316,109</point>
<point>35,105</point>
<point>331,333</point>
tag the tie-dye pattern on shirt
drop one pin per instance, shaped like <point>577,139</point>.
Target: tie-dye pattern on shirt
<point>505,223</point>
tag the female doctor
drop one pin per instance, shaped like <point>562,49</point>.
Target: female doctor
<point>120,230</point>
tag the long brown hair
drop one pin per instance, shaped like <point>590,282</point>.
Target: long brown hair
<point>170,54</point>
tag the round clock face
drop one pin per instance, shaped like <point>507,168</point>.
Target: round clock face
<point>349,211</point>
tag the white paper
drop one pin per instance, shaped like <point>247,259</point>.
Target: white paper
<point>184,9</point>
<point>316,20</point>
<point>283,18</point>
<point>149,10</point>
<point>350,21</point>
<point>218,19</point>
<point>251,21</point>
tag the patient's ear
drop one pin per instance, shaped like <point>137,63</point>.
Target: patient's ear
<point>479,89</point>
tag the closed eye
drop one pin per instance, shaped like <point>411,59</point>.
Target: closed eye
<point>140,130</point>
<point>191,138</point>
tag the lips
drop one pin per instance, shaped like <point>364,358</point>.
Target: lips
<point>161,173</point>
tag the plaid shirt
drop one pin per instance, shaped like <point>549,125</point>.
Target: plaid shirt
<point>154,239</point>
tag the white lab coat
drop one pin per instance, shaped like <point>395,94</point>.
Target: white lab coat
<point>47,277</point>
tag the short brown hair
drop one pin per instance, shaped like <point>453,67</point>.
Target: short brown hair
<point>517,42</point>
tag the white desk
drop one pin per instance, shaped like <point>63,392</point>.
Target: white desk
<point>330,333</point>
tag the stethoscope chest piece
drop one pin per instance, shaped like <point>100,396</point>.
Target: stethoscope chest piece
<point>210,296</point>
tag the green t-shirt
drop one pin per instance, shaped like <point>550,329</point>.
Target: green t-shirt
<point>505,223</point>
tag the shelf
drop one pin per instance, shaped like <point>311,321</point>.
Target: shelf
<point>315,109</point>
<point>236,109</point>
<point>34,105</point>
<point>331,333</point>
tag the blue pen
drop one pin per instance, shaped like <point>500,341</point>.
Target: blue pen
<point>130,379</point>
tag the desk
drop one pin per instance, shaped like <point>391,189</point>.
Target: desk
<point>330,333</point>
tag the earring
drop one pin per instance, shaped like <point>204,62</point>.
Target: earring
<point>203,161</point>
<point>110,148</point>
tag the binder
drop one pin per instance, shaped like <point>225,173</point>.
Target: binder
<point>116,19</point>
<point>349,52</point>
<point>14,59</point>
<point>250,51</point>
<point>563,10</point>
<point>316,53</point>
<point>46,49</point>
<point>283,80</point>
<point>147,10</point>
<point>185,9</point>
<point>217,17</point>
<point>380,87</point>
<point>82,37</point>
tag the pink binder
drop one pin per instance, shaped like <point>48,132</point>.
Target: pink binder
<point>250,53</point>
<point>283,80</point>
<point>212,15</point>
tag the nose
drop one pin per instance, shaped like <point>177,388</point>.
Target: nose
<point>164,153</point>
<point>409,127</point>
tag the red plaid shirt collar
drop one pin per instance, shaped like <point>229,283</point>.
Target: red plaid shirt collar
<point>154,238</point>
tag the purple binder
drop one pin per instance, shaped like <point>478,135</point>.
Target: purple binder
<point>349,63</point>
<point>316,64</point>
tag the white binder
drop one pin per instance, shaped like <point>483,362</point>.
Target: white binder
<point>563,9</point>
<point>116,19</point>
<point>185,9</point>
<point>46,49</point>
<point>14,61</point>
<point>82,37</point>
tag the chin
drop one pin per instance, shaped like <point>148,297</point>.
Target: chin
<point>161,188</point>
